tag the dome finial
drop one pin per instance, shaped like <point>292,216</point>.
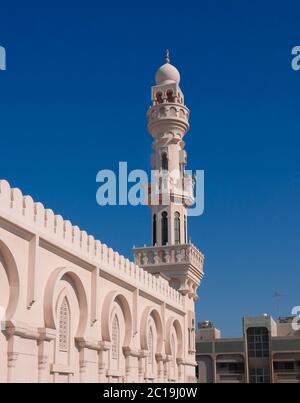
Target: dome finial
<point>167,73</point>
<point>167,56</point>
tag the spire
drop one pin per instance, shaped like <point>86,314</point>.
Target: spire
<point>167,59</point>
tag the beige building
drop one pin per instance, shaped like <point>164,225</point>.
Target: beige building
<point>268,352</point>
<point>74,310</point>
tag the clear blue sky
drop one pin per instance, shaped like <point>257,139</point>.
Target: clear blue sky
<point>73,101</point>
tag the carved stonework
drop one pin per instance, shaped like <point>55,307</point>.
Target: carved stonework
<point>157,259</point>
<point>145,259</point>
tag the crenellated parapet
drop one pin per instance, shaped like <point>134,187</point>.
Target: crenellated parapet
<point>50,227</point>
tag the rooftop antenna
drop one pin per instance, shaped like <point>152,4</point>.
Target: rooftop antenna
<point>278,296</point>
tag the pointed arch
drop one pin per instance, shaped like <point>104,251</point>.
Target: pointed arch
<point>151,312</point>
<point>10,267</point>
<point>164,161</point>
<point>174,323</point>
<point>164,228</point>
<point>49,299</point>
<point>154,240</point>
<point>121,300</point>
<point>177,227</point>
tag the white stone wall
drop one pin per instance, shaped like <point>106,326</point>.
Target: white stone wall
<point>45,261</point>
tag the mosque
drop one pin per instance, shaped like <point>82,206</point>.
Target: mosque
<point>74,310</point>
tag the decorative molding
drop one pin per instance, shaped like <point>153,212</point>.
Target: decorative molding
<point>32,264</point>
<point>92,344</point>
<point>62,369</point>
<point>129,352</point>
<point>21,329</point>
<point>95,287</point>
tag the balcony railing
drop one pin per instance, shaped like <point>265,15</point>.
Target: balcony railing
<point>168,254</point>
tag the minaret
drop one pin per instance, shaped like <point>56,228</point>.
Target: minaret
<point>168,122</point>
<point>171,190</point>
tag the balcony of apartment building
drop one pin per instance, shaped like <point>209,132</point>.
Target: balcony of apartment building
<point>220,361</point>
<point>286,368</point>
<point>230,368</point>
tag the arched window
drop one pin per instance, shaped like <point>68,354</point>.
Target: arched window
<point>164,228</point>
<point>159,98</point>
<point>170,96</point>
<point>185,229</point>
<point>150,348</point>
<point>177,227</point>
<point>154,230</point>
<point>164,161</point>
<point>64,326</point>
<point>115,336</point>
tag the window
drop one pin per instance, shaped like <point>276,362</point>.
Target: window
<point>230,367</point>
<point>159,98</point>
<point>154,230</point>
<point>164,228</point>
<point>185,229</point>
<point>64,326</point>
<point>150,347</point>
<point>115,339</point>
<point>284,366</point>
<point>177,228</point>
<point>164,161</point>
<point>258,342</point>
<point>259,375</point>
<point>170,96</point>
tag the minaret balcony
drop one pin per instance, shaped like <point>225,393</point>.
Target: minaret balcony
<point>182,261</point>
<point>166,116</point>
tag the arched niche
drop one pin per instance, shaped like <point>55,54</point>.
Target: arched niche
<point>50,298</point>
<point>108,305</point>
<point>174,323</point>
<point>147,313</point>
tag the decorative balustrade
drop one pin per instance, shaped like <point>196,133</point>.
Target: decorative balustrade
<point>168,111</point>
<point>186,253</point>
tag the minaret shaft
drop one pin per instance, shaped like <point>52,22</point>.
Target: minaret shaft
<point>171,189</point>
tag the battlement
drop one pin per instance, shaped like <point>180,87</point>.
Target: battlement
<point>35,218</point>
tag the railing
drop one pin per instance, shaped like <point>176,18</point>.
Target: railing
<point>185,253</point>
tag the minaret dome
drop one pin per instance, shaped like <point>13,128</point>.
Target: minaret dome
<point>167,73</point>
